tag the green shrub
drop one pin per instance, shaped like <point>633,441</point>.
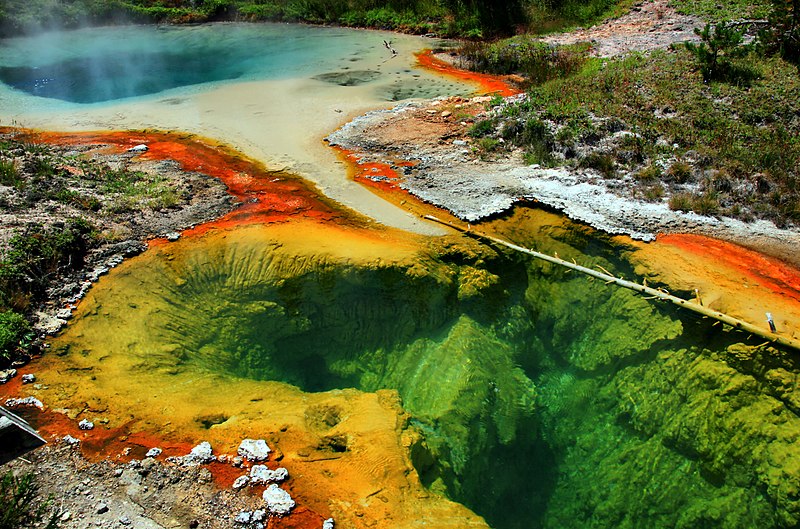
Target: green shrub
<point>717,50</point>
<point>654,193</point>
<point>651,173</point>
<point>601,162</point>
<point>15,331</point>
<point>9,175</point>
<point>481,128</point>
<point>537,61</point>
<point>782,35</point>
<point>35,255</point>
<point>705,204</point>
<point>680,172</point>
<point>20,505</point>
<point>680,202</point>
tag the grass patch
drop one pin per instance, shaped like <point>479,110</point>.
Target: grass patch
<point>9,175</point>
<point>20,505</point>
<point>662,112</point>
<point>715,11</point>
<point>537,61</point>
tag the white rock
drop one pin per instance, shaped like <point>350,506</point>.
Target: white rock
<point>278,500</point>
<point>153,452</point>
<point>173,236</point>
<point>71,440</point>
<point>138,148</point>
<point>254,449</point>
<point>86,425</point>
<point>241,482</point>
<point>328,524</point>
<point>28,378</point>
<point>243,517</point>
<point>26,402</point>
<point>200,455</point>
<point>261,475</point>
<point>259,515</point>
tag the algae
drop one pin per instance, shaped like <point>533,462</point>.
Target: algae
<point>535,397</point>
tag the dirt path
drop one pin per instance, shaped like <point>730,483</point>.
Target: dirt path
<point>648,26</point>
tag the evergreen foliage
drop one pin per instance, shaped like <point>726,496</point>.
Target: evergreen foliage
<point>19,505</point>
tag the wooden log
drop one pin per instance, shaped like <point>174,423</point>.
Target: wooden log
<point>652,293</point>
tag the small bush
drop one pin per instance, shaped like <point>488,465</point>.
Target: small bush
<point>481,128</point>
<point>600,162</point>
<point>20,505</point>
<point>680,202</point>
<point>651,173</point>
<point>680,172</point>
<point>716,51</point>
<point>705,204</point>
<point>9,175</point>
<point>14,332</point>
<point>654,193</point>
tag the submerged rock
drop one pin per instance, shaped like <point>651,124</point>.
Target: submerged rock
<point>278,500</point>
<point>254,449</point>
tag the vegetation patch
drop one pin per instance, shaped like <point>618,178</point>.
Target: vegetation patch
<point>723,147</point>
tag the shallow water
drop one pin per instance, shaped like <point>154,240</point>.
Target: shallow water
<point>272,91</point>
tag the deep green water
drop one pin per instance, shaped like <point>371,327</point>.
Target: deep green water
<point>546,400</point>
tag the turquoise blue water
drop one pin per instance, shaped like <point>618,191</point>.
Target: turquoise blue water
<point>107,64</point>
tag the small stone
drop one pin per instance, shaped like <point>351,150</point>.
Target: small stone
<point>86,425</point>
<point>65,516</point>
<point>200,455</point>
<point>223,458</point>
<point>102,508</point>
<point>173,236</point>
<point>259,515</point>
<point>238,461</point>
<point>446,114</point>
<point>7,374</point>
<point>459,142</point>
<point>153,452</point>
<point>261,475</point>
<point>28,378</point>
<point>241,482</point>
<point>328,524</point>
<point>254,449</point>
<point>124,520</point>
<point>118,472</point>
<point>28,402</point>
<point>138,148</point>
<point>278,500</point>
<point>243,517</point>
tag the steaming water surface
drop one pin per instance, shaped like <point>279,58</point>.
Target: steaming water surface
<point>272,91</point>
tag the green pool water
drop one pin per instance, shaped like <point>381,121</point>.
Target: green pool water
<point>544,399</point>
